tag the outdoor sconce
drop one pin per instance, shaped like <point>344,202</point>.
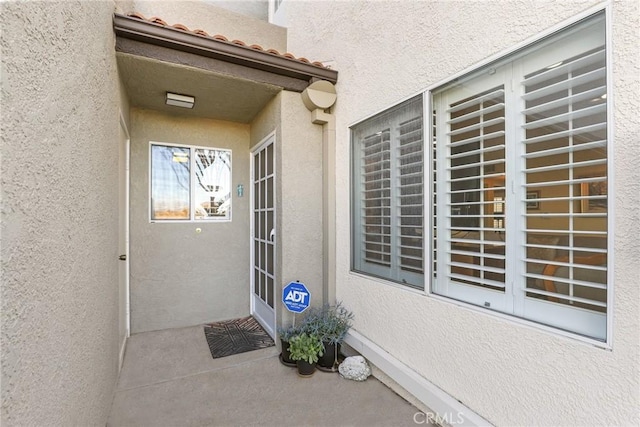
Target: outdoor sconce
<point>240,189</point>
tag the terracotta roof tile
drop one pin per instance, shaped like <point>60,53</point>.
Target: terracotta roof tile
<point>137,15</point>
<point>157,20</point>
<point>219,37</point>
<point>180,27</point>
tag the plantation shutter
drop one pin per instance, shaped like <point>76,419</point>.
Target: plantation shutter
<point>388,174</point>
<point>471,202</point>
<point>521,184</point>
<point>410,167</point>
<point>564,139</point>
<point>376,199</point>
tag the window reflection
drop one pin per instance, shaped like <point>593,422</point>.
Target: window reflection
<point>189,183</point>
<point>213,183</point>
<point>169,182</point>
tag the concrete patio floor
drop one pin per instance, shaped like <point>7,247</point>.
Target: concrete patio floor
<point>169,378</point>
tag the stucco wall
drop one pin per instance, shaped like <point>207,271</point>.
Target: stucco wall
<point>60,213</point>
<point>509,373</point>
<point>180,277</point>
<point>298,194</point>
<point>300,197</point>
<point>214,20</point>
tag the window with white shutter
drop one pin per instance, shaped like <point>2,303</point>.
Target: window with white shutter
<point>521,191</point>
<point>388,178</point>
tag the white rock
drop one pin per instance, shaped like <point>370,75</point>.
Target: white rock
<point>354,368</point>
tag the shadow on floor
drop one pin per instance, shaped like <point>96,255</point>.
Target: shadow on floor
<point>170,379</point>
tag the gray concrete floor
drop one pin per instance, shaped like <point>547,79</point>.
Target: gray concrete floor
<point>170,379</point>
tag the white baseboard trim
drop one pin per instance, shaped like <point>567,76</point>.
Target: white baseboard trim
<point>446,409</point>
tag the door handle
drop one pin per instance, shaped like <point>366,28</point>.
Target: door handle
<point>122,257</point>
<point>272,234</point>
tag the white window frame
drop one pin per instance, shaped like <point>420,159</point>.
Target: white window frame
<point>192,184</point>
<point>429,119</point>
<point>395,275</point>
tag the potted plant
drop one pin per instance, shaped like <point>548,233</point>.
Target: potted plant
<point>305,350</point>
<point>331,324</point>
<point>285,335</point>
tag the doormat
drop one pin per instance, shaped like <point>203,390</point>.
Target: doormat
<point>236,336</point>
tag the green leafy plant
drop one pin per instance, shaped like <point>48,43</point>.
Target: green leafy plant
<point>305,347</point>
<point>329,323</point>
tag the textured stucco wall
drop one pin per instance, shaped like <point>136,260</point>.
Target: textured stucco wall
<point>258,9</point>
<point>60,213</point>
<point>298,194</point>
<point>300,197</point>
<point>214,20</point>
<point>509,373</point>
<point>180,277</point>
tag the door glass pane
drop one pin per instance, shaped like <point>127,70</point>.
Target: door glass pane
<point>256,225</point>
<point>270,159</point>
<point>270,192</point>
<point>256,167</point>
<point>269,225</point>
<point>169,182</point>
<point>263,167</point>
<point>256,253</point>
<point>256,281</point>
<point>270,291</point>
<point>256,195</point>
<point>270,259</point>
<point>263,290</point>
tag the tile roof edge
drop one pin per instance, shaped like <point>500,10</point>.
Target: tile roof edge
<point>218,37</point>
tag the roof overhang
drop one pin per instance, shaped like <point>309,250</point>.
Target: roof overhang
<point>289,73</point>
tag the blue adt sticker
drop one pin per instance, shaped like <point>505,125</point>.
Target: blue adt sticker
<point>296,297</point>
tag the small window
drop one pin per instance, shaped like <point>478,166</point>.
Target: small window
<point>190,183</point>
<point>522,215</point>
<point>387,193</point>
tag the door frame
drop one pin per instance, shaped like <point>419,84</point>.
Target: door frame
<point>270,138</point>
<point>125,211</point>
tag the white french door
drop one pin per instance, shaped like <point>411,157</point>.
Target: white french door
<point>263,234</point>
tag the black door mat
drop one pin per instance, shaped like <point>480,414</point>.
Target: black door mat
<point>236,336</point>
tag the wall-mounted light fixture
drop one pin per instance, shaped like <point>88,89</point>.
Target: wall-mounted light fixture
<point>240,190</point>
<point>184,101</point>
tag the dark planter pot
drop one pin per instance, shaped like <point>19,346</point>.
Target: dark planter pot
<point>305,369</point>
<point>285,356</point>
<point>330,357</point>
